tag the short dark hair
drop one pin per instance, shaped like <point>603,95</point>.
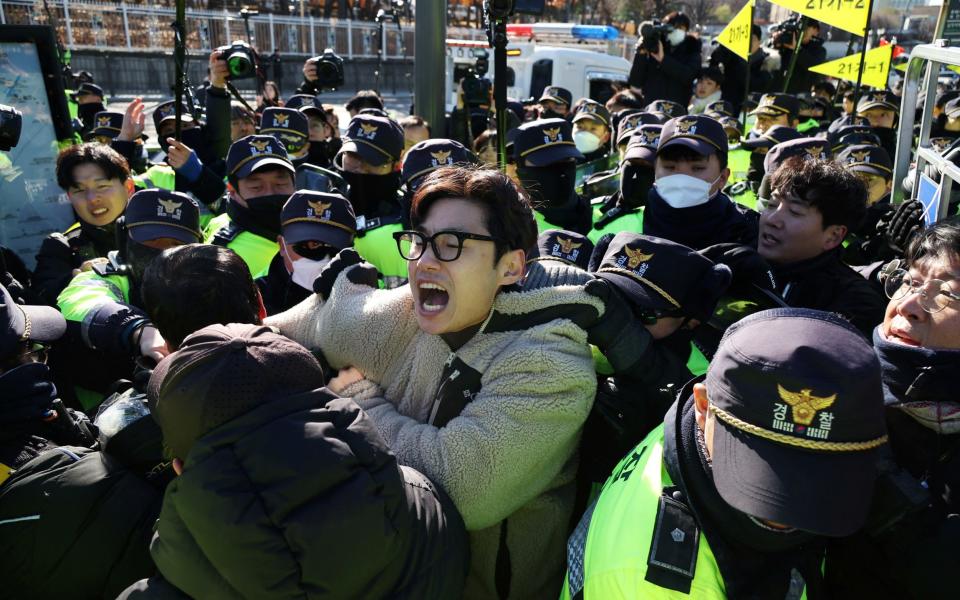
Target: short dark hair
<point>677,19</point>
<point>837,193</point>
<point>235,181</point>
<point>509,217</point>
<point>189,287</point>
<point>626,99</point>
<point>364,99</point>
<point>825,86</point>
<point>942,241</point>
<point>111,162</point>
<point>679,152</point>
<point>415,121</point>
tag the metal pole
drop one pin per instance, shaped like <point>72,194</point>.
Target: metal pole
<point>126,25</point>
<point>350,38</point>
<point>3,15</point>
<point>66,20</point>
<point>429,67</point>
<point>796,53</point>
<point>863,56</point>
<point>500,87</point>
<point>179,53</point>
<point>273,41</point>
<point>313,38</point>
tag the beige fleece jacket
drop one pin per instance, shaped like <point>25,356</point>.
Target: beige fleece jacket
<point>509,459</point>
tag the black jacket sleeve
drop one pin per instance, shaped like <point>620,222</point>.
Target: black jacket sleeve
<point>208,188</point>
<point>54,270</point>
<point>217,129</point>
<point>638,71</point>
<point>683,63</point>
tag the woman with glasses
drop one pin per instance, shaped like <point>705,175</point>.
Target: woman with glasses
<point>912,547</point>
<point>479,386</point>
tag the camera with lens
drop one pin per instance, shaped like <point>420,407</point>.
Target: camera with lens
<point>786,32</point>
<point>11,122</point>
<point>652,34</point>
<point>476,86</point>
<point>242,60</point>
<point>329,70</point>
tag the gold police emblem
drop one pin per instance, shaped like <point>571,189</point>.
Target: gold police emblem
<point>103,121</point>
<point>280,120</point>
<point>567,245</point>
<point>319,206</point>
<point>804,405</point>
<point>687,126</point>
<point>552,134</point>
<point>368,129</point>
<point>170,206</point>
<point>651,137</point>
<point>260,145</point>
<point>441,156</point>
<point>636,257</point>
<point>860,156</point>
<point>815,151</point>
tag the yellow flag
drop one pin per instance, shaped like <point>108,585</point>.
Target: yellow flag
<point>848,15</point>
<point>876,67</point>
<point>736,35</point>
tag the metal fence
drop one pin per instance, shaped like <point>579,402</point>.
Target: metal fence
<point>118,25</point>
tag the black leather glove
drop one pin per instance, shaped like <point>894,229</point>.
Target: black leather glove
<point>906,222</point>
<point>617,333</point>
<point>746,263</point>
<point>365,273</point>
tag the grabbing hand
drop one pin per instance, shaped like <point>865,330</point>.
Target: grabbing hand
<point>218,71</point>
<point>906,222</point>
<point>178,154</point>
<point>746,264</point>
<point>365,274</point>
<point>310,70</point>
<point>152,344</point>
<point>658,55</point>
<point>133,121</point>
<point>617,333</point>
<point>344,379</point>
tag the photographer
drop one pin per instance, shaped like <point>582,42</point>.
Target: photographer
<point>812,52</point>
<point>734,69</point>
<point>667,60</point>
<point>324,72</point>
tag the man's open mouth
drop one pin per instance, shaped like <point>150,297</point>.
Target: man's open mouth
<point>433,297</point>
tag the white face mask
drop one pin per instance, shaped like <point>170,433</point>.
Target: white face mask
<point>676,37</point>
<point>585,141</point>
<point>306,270</point>
<point>684,191</point>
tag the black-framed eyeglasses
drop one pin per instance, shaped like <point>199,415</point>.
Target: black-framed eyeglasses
<point>935,294</point>
<point>446,245</point>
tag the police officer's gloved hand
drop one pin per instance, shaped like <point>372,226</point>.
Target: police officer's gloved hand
<point>906,221</point>
<point>617,333</point>
<point>746,263</point>
<point>364,274</point>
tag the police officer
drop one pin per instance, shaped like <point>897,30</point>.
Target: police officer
<point>89,100</point>
<point>752,469</point>
<point>261,180</point>
<point>426,157</point>
<point>667,108</point>
<point>882,109</point>
<point>368,162</point>
<point>866,243</point>
<point>776,109</point>
<point>106,126</point>
<point>546,158</point>
<point>314,226</point>
<point>592,132</point>
<point>555,102</point>
<point>623,210</point>
<point>106,325</point>
<point>96,180</point>
<point>325,139</point>
<point>292,128</point>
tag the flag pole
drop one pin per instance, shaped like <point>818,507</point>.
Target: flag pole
<point>746,91</point>
<point>863,56</point>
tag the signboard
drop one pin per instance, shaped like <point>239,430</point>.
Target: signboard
<point>948,25</point>
<point>929,196</point>
<point>32,205</point>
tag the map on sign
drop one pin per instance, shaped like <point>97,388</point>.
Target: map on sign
<point>31,203</point>
<point>848,15</point>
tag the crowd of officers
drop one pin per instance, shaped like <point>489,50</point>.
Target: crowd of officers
<point>656,356</point>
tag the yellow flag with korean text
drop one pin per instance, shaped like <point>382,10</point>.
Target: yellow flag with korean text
<point>736,35</point>
<point>876,67</point>
<point>848,15</point>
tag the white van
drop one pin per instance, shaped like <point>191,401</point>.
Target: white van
<point>531,67</point>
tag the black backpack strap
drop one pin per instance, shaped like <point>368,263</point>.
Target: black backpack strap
<point>226,234</point>
<point>672,561</point>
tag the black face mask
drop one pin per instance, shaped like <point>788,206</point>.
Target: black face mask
<point>139,257</point>
<point>265,211</point>
<point>368,191</point>
<point>635,182</point>
<point>86,112</point>
<point>755,171</point>
<point>550,186</point>
<point>322,153</point>
<point>551,114</point>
